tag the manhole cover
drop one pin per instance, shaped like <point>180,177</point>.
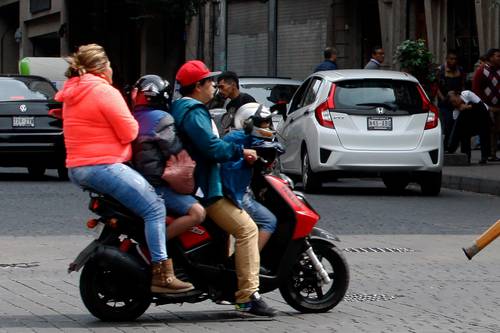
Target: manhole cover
<point>369,297</point>
<point>378,249</point>
<point>21,265</point>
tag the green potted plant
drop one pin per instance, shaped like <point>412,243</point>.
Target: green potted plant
<point>414,58</point>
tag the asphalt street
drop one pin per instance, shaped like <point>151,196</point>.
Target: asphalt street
<point>408,273</point>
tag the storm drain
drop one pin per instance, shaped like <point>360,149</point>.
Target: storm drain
<point>369,297</point>
<point>378,249</point>
<point>21,265</point>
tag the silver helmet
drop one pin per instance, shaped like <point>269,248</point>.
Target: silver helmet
<point>250,116</point>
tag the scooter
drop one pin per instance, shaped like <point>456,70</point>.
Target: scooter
<point>300,260</point>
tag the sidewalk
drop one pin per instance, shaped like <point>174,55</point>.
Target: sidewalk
<point>474,177</point>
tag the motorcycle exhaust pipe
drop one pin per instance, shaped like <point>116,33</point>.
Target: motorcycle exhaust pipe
<point>482,241</point>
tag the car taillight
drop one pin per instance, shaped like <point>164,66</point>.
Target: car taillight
<point>432,111</point>
<point>322,112</point>
<point>432,117</point>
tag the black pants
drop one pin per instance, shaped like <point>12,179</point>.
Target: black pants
<point>468,124</point>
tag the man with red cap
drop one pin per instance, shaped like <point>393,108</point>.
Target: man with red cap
<point>204,145</point>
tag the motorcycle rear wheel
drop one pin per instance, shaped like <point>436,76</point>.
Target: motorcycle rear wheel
<point>107,295</point>
<point>301,289</point>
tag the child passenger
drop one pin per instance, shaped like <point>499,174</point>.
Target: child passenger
<point>156,142</point>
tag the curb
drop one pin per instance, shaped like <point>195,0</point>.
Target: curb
<point>471,184</point>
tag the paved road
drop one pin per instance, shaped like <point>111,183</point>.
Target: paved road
<point>428,286</point>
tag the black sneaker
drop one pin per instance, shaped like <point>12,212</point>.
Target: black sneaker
<point>256,306</point>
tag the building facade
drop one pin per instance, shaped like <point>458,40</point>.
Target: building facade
<point>140,37</point>
<point>251,37</point>
<point>286,37</point>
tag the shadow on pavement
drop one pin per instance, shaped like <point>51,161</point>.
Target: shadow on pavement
<point>362,188</point>
<point>152,320</point>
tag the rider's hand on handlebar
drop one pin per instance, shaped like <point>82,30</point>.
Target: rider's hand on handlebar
<point>250,155</point>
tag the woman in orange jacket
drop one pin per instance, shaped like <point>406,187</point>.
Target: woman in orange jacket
<point>98,131</point>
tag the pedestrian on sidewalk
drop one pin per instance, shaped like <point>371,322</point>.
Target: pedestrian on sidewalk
<point>486,84</point>
<point>330,62</point>
<point>450,77</point>
<point>473,119</point>
<point>378,56</point>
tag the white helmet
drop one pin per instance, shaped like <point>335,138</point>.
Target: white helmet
<point>249,117</point>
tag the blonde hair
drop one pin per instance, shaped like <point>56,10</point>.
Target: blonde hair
<point>90,58</point>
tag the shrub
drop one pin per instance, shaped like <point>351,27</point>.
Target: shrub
<point>414,58</point>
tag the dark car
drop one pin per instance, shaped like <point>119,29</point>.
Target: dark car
<point>29,136</point>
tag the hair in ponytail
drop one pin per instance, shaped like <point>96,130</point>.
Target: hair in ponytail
<point>90,58</point>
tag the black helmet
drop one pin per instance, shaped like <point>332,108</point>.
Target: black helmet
<point>152,90</point>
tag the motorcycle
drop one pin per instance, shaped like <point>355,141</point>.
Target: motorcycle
<point>300,260</point>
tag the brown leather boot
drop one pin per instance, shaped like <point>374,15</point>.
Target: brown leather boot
<point>164,280</point>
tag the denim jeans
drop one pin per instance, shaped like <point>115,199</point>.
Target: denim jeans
<point>265,220</point>
<point>134,192</point>
<point>176,203</point>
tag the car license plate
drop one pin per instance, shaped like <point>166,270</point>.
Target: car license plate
<point>380,123</point>
<point>23,121</point>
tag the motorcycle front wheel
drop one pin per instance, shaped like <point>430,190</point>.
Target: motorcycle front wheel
<point>108,295</point>
<point>302,289</point>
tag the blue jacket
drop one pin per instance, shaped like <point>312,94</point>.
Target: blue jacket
<point>194,126</point>
<point>156,141</point>
<point>236,175</point>
<point>326,65</point>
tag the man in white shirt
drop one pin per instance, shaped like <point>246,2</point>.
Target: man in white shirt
<point>472,118</point>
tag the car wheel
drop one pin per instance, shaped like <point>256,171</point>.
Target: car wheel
<point>396,183</point>
<point>36,171</point>
<point>430,183</point>
<point>310,180</point>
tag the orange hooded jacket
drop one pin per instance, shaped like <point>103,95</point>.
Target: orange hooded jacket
<point>98,126</point>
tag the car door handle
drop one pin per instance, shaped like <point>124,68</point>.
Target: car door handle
<point>292,120</point>
<point>306,113</point>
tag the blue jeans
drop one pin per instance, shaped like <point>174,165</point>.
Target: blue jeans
<point>176,203</point>
<point>134,192</point>
<point>265,220</point>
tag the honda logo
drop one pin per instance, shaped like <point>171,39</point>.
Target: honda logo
<point>23,108</point>
<point>380,110</point>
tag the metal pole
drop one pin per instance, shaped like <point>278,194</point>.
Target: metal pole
<point>272,55</point>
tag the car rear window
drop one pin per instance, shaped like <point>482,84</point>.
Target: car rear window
<point>363,94</point>
<point>269,94</point>
<point>25,88</point>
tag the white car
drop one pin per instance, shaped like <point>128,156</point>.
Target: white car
<point>363,123</point>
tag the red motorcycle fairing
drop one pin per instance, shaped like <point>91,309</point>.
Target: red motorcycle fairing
<point>193,237</point>
<point>306,217</point>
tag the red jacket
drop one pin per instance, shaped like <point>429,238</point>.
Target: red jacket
<point>98,126</point>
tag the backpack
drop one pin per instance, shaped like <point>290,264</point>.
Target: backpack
<point>179,172</point>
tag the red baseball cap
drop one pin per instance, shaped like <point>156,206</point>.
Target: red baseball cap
<point>192,72</point>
